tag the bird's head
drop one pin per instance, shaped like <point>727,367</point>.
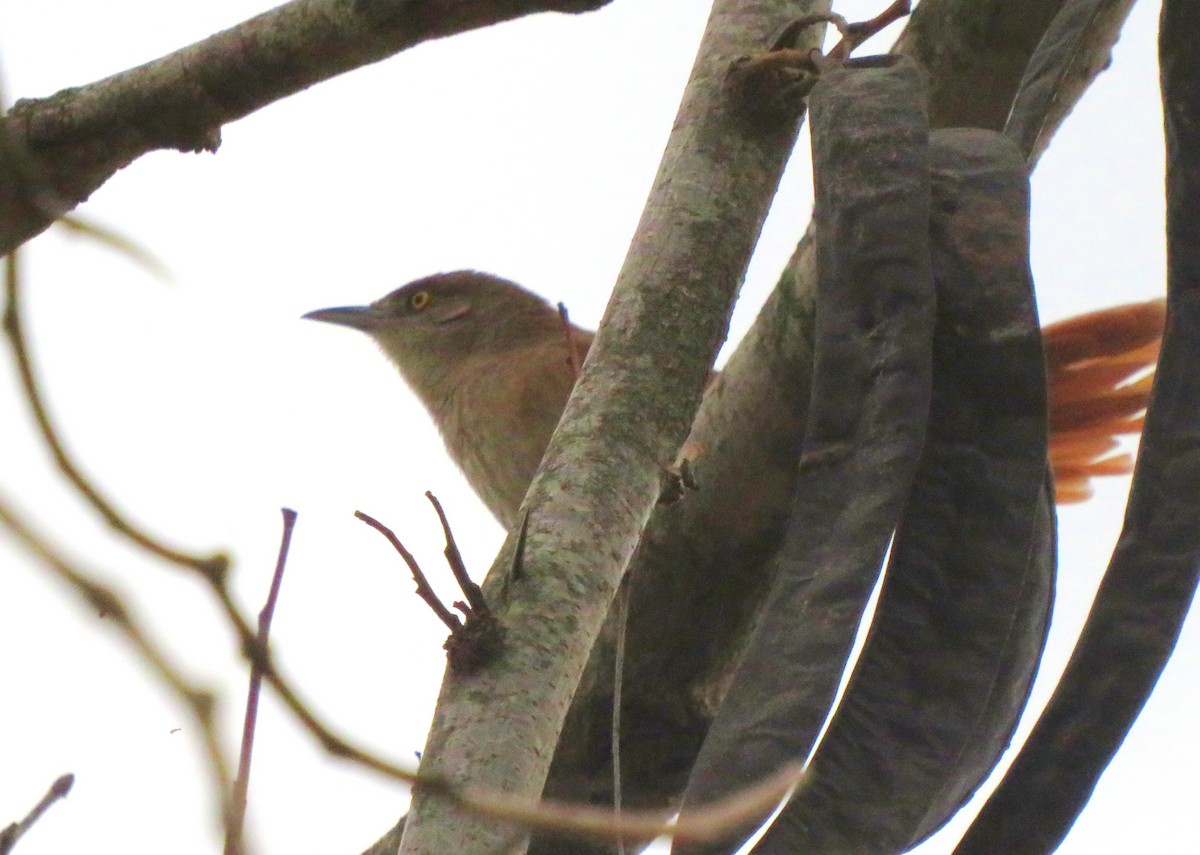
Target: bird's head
<point>435,326</point>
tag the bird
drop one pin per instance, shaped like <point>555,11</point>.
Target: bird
<point>490,362</point>
<point>494,364</point>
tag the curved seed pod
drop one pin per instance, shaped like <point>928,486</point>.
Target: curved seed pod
<point>1076,47</point>
<point>962,615</point>
<point>866,422</point>
<point>1152,577</point>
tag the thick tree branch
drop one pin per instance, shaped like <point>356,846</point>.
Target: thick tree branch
<point>630,412</point>
<point>56,151</point>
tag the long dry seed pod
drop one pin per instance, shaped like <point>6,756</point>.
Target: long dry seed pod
<point>962,615</point>
<point>866,421</point>
<point>1075,48</point>
<point>1152,577</point>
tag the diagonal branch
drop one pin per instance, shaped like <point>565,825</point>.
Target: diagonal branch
<point>211,565</point>
<point>630,411</point>
<point>75,140</point>
<point>198,701</point>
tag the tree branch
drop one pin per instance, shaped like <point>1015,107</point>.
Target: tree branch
<point>702,568</point>
<point>630,411</point>
<point>58,150</point>
<point>216,565</point>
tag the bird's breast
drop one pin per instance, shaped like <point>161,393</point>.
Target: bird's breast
<point>498,420</point>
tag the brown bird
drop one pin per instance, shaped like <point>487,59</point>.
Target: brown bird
<point>490,360</point>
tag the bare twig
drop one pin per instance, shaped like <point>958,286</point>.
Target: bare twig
<point>783,55</point>
<point>213,565</point>
<point>622,617</point>
<point>80,136</point>
<point>58,790</point>
<point>199,702</point>
<point>855,34</point>
<point>569,338</point>
<point>424,589</point>
<point>123,244</point>
<point>710,820</point>
<point>481,636</point>
<point>477,637</point>
<point>241,784</point>
<point>473,592</point>
<point>556,816</point>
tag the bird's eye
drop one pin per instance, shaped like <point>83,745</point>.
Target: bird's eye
<point>418,301</point>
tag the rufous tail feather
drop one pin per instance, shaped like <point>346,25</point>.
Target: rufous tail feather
<point>1099,370</point>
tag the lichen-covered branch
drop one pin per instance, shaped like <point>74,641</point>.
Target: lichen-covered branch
<point>702,568</point>
<point>630,411</point>
<point>56,151</point>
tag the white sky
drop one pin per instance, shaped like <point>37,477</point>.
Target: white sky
<point>205,404</point>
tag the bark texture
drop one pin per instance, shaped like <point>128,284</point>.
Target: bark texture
<point>701,571</point>
<point>630,412</point>
<point>56,151</point>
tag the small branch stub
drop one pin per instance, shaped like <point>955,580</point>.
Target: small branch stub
<point>773,86</point>
<point>679,479</point>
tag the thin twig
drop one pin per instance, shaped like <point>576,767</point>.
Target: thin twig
<point>783,55</point>
<point>216,564</point>
<point>569,338</point>
<point>14,832</point>
<point>622,618</point>
<point>481,637</point>
<point>241,784</point>
<point>424,589</point>
<point>123,244</point>
<point>517,570</point>
<point>472,591</point>
<point>855,34</point>
<point>199,702</point>
<point>708,820</point>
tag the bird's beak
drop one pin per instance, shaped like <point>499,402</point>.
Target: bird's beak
<point>364,318</point>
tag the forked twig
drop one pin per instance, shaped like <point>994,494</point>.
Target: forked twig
<point>199,702</point>
<point>708,819</point>
<point>784,56</point>
<point>477,637</point>
<point>424,589</point>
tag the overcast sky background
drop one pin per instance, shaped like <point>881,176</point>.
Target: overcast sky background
<point>204,405</point>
